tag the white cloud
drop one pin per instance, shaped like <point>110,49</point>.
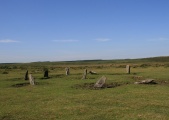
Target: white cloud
<point>8,41</point>
<point>103,39</point>
<point>65,40</point>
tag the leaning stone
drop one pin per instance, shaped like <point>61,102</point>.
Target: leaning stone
<point>100,82</point>
<point>31,80</point>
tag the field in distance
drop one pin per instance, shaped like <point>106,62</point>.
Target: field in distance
<point>64,97</point>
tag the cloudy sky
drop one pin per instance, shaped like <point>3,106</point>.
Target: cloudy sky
<point>61,30</point>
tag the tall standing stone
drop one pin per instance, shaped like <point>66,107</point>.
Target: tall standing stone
<point>46,73</point>
<point>67,71</point>
<point>26,75</point>
<point>31,80</point>
<point>128,69</point>
<point>85,74</point>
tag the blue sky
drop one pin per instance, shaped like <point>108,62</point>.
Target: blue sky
<point>61,30</point>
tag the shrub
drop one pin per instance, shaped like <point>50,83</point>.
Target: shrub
<point>144,65</point>
<point>5,72</point>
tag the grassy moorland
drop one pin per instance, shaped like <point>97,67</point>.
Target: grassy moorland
<point>71,98</point>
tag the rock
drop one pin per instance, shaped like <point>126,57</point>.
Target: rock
<point>26,75</point>
<point>147,81</point>
<point>128,69</point>
<point>31,80</point>
<point>92,72</point>
<point>100,82</point>
<point>67,71</point>
<point>46,74</point>
<point>85,74</point>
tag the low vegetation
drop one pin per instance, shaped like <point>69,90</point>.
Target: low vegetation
<point>71,98</point>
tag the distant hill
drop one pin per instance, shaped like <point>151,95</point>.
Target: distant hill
<point>100,61</point>
<point>157,59</point>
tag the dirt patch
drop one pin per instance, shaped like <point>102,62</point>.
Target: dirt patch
<point>24,84</point>
<point>163,82</point>
<point>20,85</point>
<point>91,86</point>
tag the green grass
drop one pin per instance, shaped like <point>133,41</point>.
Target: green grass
<point>58,98</point>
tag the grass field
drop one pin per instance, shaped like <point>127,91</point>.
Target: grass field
<point>71,98</point>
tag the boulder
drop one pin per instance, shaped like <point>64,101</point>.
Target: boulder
<point>92,72</point>
<point>100,82</point>
<point>147,81</point>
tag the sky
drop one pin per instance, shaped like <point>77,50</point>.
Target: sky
<point>65,30</point>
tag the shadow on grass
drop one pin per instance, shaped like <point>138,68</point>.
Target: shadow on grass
<point>45,78</point>
<point>58,76</point>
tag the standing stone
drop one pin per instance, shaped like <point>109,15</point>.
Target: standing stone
<point>46,73</point>
<point>31,80</point>
<point>85,74</point>
<point>128,69</point>
<point>100,82</point>
<point>26,75</point>
<point>67,71</point>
